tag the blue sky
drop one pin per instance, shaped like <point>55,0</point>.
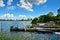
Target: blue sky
<point>19,9</point>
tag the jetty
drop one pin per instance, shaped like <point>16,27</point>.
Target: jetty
<point>34,29</point>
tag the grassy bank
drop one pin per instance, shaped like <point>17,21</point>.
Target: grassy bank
<point>7,36</point>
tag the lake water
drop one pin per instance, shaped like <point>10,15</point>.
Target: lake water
<point>27,35</point>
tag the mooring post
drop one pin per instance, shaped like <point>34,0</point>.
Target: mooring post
<point>1,26</point>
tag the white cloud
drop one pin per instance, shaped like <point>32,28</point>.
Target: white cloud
<point>12,16</point>
<point>23,17</point>
<point>7,16</point>
<point>2,3</point>
<point>9,2</point>
<point>11,7</point>
<point>24,5</point>
<point>27,4</point>
<point>37,2</point>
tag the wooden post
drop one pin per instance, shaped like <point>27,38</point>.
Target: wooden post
<point>1,26</point>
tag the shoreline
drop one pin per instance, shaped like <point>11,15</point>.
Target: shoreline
<point>15,21</point>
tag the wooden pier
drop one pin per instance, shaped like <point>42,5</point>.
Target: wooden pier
<point>34,29</point>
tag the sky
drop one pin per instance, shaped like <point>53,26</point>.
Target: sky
<point>23,9</point>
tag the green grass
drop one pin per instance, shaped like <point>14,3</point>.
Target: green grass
<point>6,36</point>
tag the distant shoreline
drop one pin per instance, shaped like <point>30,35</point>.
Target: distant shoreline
<point>9,20</point>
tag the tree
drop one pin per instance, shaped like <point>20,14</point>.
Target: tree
<point>29,19</point>
<point>46,18</point>
<point>41,18</point>
<point>50,14</point>
<point>58,17</point>
<point>34,21</point>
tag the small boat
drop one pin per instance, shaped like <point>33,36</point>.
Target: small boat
<point>57,32</point>
<point>44,31</point>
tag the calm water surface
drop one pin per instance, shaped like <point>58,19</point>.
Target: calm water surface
<point>28,35</point>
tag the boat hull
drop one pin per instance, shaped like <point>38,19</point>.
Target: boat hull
<point>44,31</point>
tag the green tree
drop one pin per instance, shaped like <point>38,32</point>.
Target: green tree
<point>58,17</point>
<point>50,14</point>
<point>46,18</point>
<point>41,18</point>
<point>29,19</point>
<point>34,21</point>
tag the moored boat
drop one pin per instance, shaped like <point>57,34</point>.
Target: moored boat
<point>44,31</point>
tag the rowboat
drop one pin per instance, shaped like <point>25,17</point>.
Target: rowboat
<point>44,31</point>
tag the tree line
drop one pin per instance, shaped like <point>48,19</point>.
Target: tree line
<point>46,18</point>
<point>28,19</point>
